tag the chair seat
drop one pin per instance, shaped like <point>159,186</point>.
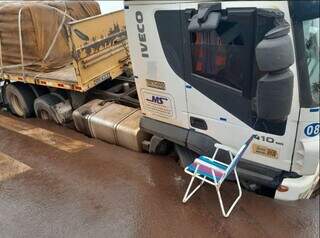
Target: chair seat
<point>215,172</point>
<point>206,171</point>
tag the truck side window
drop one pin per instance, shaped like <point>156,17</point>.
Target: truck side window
<point>224,55</point>
<point>311,39</point>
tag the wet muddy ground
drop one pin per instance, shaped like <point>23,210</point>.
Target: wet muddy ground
<point>103,190</point>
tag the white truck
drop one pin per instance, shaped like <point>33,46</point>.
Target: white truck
<point>204,72</point>
<point>220,71</point>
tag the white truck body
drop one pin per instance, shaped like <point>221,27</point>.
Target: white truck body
<point>166,97</point>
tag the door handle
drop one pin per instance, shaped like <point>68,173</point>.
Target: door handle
<point>198,123</point>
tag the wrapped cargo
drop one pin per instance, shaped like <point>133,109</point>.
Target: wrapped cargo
<point>33,34</point>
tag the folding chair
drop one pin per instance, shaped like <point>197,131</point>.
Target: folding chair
<point>215,172</point>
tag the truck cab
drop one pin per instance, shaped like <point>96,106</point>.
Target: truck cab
<point>211,72</point>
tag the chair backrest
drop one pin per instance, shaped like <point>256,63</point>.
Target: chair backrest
<point>237,157</point>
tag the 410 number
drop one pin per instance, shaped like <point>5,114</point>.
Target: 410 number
<point>267,139</point>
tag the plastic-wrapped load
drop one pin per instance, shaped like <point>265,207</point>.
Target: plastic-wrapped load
<point>33,34</point>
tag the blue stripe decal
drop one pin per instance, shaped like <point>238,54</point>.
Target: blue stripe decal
<point>218,165</point>
<point>314,109</point>
<point>223,119</point>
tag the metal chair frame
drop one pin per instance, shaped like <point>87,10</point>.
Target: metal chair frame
<point>233,155</point>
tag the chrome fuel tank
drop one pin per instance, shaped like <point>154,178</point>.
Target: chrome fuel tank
<point>111,122</point>
<point>82,114</point>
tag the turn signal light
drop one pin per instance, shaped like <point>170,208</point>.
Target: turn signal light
<point>282,188</point>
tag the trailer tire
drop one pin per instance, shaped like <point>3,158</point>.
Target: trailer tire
<point>20,98</point>
<point>43,107</point>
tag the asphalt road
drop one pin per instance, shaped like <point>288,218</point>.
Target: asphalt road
<point>55,182</point>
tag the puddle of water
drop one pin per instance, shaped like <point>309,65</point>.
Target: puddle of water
<point>45,136</point>
<point>10,167</point>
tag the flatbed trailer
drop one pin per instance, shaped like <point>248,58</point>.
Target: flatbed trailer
<point>99,50</point>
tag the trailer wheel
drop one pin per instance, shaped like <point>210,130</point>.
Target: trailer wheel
<point>20,98</point>
<point>53,107</point>
<point>43,107</point>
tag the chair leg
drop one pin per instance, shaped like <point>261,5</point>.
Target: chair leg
<point>235,202</point>
<point>187,196</point>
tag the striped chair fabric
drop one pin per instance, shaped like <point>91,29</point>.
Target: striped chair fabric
<point>215,172</point>
<point>205,171</point>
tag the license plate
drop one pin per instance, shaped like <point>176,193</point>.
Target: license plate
<point>265,151</point>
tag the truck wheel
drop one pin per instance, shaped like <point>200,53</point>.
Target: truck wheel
<point>159,146</point>
<point>20,98</point>
<point>43,107</point>
<point>53,107</point>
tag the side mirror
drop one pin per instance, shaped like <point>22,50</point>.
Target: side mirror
<point>205,9</point>
<point>275,51</point>
<point>274,96</point>
<point>274,55</point>
<point>207,18</point>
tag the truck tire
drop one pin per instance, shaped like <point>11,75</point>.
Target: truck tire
<point>20,98</point>
<point>43,107</point>
<point>159,146</point>
<point>53,107</point>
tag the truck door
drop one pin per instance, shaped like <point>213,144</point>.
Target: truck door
<point>225,79</point>
<point>221,69</point>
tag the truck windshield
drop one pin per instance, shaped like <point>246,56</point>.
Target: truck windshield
<point>311,41</point>
<point>305,23</point>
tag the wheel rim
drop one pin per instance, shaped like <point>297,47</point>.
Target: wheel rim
<point>16,105</point>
